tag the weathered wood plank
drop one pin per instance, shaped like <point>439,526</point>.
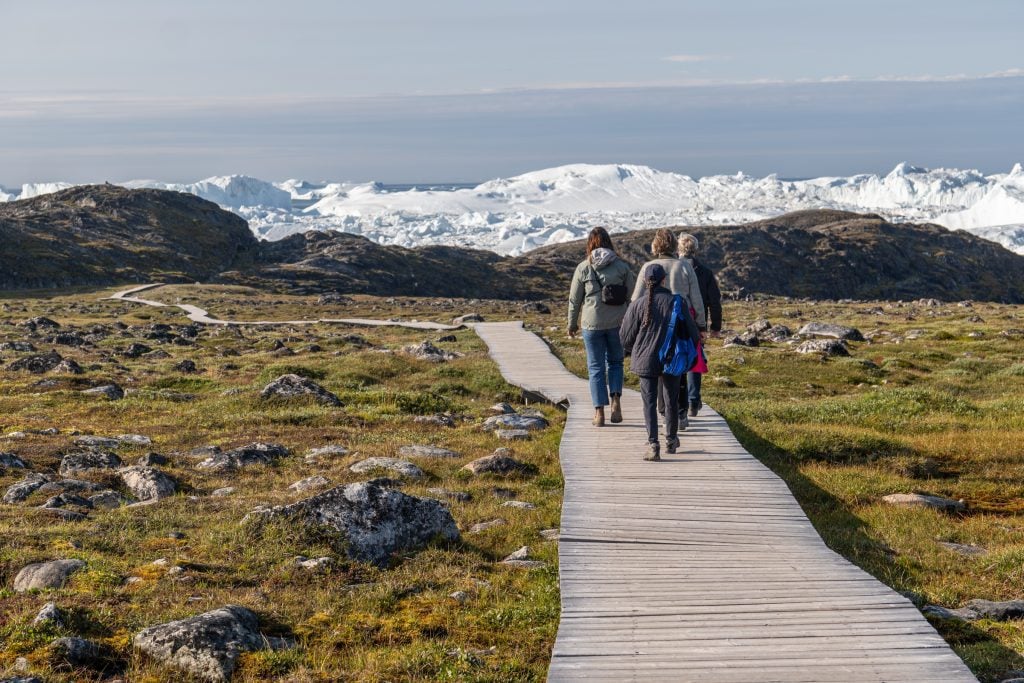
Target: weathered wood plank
<point>703,567</point>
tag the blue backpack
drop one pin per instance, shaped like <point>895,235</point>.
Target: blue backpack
<point>677,355</point>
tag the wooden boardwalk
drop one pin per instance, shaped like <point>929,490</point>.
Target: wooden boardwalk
<point>703,567</point>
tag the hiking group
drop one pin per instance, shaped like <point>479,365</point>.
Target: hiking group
<point>660,319</point>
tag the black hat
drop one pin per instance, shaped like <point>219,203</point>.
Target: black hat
<point>654,273</point>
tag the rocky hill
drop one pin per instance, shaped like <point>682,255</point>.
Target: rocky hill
<point>830,255</point>
<point>102,235</point>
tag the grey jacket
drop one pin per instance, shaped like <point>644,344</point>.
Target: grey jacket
<point>680,279</point>
<point>643,344</point>
<point>603,268</point>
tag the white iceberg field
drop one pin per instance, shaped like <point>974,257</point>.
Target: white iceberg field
<point>515,215</point>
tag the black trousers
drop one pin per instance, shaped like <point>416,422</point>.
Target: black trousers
<point>670,398</point>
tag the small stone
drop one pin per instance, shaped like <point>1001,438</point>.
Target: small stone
<point>919,500</point>
<point>448,338</point>
<point>176,535</point>
<point>11,461</point>
<point>418,451</point>
<point>963,549</point>
<point>438,420</point>
<point>326,451</point>
<point>402,467</point>
<point>152,460</point>
<point>317,564</point>
<point>135,350</point>
<point>759,326</point>
<point>42,575</point>
<point>512,434</point>
<point>459,496</point>
<point>484,526</point>
<point>521,554</point>
<point>90,441</point>
<point>468,318</point>
<point>502,409</point>
<point>310,483</point>
<point>519,505</point>
<point>461,597</point>
<point>428,352</point>
<point>76,652</point>
<point>724,381</point>
<point>550,534</point>
<point>536,307</point>
<point>524,564</point>
<point>226,491</point>
<point>50,614</point>
<point>107,500</point>
<point>68,367</point>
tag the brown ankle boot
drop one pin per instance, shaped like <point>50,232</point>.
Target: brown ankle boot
<point>599,417</point>
<point>616,409</point>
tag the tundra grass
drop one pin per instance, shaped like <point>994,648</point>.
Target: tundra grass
<point>354,622</point>
<point>934,404</point>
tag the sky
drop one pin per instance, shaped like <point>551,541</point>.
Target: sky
<point>466,91</point>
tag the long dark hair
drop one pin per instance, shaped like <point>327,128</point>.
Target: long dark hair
<point>598,238</point>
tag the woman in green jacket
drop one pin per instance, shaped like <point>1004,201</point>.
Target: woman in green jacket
<point>600,320</point>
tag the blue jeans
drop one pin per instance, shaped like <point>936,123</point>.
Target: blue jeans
<point>693,387</point>
<point>603,350</point>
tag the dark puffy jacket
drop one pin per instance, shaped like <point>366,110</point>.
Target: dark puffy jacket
<point>710,293</point>
<point>644,343</point>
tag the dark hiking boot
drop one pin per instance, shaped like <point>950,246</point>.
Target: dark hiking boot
<point>694,408</point>
<point>616,409</point>
<point>672,445</point>
<point>684,421</point>
<point>653,453</point>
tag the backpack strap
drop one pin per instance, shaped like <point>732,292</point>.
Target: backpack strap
<point>668,346</point>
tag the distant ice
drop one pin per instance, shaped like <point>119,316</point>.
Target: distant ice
<point>514,215</point>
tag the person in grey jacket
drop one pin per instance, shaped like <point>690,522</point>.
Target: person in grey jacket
<point>643,332</point>
<point>680,277</point>
<point>600,321</point>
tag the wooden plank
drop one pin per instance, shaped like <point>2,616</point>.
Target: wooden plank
<point>703,567</point>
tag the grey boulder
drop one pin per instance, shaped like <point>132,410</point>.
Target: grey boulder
<point>37,365</point>
<point>19,491</point>
<point>428,352</point>
<point>42,575</point>
<point>295,386</point>
<point>206,646</point>
<point>375,522</point>
<point>244,456</point>
<point>147,483</point>
<point>10,460</point>
<point>76,652</point>
<point>417,451</point>
<point>402,467</point>
<point>112,392</point>
<point>831,330</point>
<point>499,462</point>
<point>77,463</point>
<point>921,500</point>
<point>515,421</point>
<point>50,614</point>
<point>826,347</point>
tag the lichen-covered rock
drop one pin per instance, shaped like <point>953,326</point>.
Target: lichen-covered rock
<point>111,391</point>
<point>42,575</point>
<point>90,441</point>
<point>428,352</point>
<point>759,326</point>
<point>777,333</point>
<point>460,496</point>
<point>920,500</point>
<point>373,521</point>
<point>253,454</point>
<point>402,467</point>
<point>746,339</point>
<point>515,421</point>
<point>826,347</point>
<point>468,318</point>
<point>77,463</point>
<point>206,646</point>
<point>831,330</point>
<point>135,350</point>
<point>418,451</point>
<point>76,652</point>
<point>147,483</point>
<point>499,462</point>
<point>309,483</point>
<point>19,491</point>
<point>41,323</point>
<point>37,365</point>
<point>107,500</point>
<point>11,461</point>
<point>50,614</point>
<point>295,386</point>
<point>68,367</point>
<point>19,346</point>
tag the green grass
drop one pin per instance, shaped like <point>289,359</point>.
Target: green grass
<point>941,413</point>
<point>353,623</point>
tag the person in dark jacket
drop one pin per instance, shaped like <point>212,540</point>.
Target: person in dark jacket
<point>712,298</point>
<point>643,332</point>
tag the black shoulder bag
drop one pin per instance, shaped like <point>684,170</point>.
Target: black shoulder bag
<point>611,295</point>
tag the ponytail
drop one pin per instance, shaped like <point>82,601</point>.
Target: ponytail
<point>649,310</point>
